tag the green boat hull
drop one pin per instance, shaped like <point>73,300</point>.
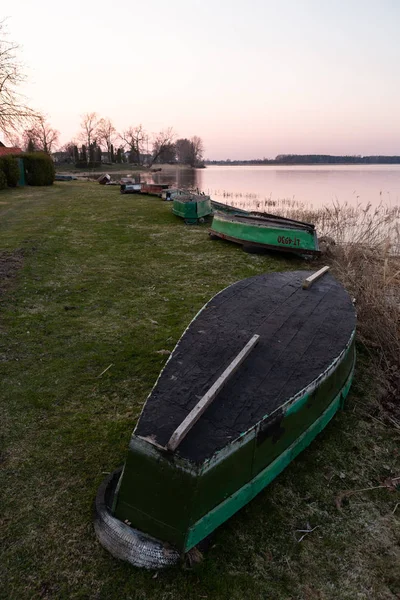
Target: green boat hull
<point>192,211</point>
<point>265,233</point>
<point>177,502</point>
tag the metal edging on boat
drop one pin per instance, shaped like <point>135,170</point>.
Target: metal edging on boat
<point>245,494</point>
<point>295,401</point>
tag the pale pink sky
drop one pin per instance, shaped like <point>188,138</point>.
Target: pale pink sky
<point>253,79</point>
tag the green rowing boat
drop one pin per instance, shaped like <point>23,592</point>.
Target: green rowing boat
<point>263,231</point>
<point>193,208</point>
<point>259,372</point>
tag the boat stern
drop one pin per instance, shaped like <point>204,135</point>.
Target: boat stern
<point>155,492</point>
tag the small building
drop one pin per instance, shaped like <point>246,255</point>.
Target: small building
<point>14,150</point>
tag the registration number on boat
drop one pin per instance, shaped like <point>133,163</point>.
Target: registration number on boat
<point>288,240</point>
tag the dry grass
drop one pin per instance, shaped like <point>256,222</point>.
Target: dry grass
<point>363,247</point>
<point>372,276</point>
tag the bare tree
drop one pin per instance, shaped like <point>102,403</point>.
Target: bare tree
<point>134,140</point>
<point>197,150</point>
<point>69,148</point>
<point>190,152</point>
<point>106,134</point>
<point>14,140</point>
<point>14,111</point>
<point>167,154</point>
<point>183,149</point>
<point>28,143</point>
<point>89,124</point>
<point>42,135</point>
<point>161,141</point>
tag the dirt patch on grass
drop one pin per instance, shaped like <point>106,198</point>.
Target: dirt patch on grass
<point>10,263</point>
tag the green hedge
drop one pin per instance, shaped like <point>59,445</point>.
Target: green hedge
<point>3,180</point>
<point>9,167</point>
<point>82,164</point>
<point>39,168</point>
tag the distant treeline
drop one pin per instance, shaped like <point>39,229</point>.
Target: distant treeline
<point>311,159</point>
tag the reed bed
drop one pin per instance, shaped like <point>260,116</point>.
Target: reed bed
<point>369,267</point>
<point>362,245</point>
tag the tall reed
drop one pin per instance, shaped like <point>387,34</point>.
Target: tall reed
<point>362,246</point>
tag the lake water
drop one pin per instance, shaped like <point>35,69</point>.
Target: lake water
<point>313,186</point>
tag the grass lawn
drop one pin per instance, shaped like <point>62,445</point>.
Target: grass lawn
<point>97,279</point>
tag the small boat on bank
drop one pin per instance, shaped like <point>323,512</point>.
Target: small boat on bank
<point>104,178</point>
<point>130,188</point>
<point>171,193</point>
<point>257,231</point>
<point>193,208</point>
<point>153,189</point>
<point>258,373</point>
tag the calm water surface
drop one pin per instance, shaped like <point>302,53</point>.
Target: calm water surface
<point>313,186</point>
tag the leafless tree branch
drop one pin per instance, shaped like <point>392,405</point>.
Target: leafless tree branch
<point>14,112</point>
<point>42,135</point>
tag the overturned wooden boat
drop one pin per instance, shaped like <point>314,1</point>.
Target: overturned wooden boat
<point>257,231</point>
<point>258,373</point>
<point>104,178</point>
<point>193,208</point>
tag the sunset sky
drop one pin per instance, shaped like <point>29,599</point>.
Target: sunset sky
<point>253,79</point>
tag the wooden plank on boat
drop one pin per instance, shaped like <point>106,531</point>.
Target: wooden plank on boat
<point>206,400</point>
<point>307,283</point>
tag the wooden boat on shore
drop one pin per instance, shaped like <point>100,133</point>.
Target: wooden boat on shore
<point>258,373</point>
<point>153,189</point>
<point>130,188</point>
<point>257,231</point>
<point>171,193</point>
<point>193,208</point>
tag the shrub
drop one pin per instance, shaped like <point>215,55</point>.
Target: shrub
<point>81,164</point>
<point>9,166</point>
<point>39,168</point>
<point>3,179</point>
